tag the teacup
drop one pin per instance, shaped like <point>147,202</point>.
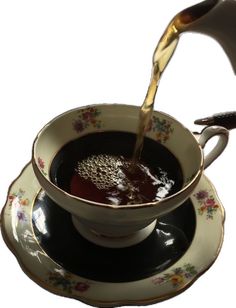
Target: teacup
<point>122,225</point>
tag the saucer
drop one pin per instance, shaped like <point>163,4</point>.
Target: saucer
<point>182,246</point>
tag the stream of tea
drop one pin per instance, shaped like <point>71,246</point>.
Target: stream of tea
<point>161,57</point>
<point>100,166</point>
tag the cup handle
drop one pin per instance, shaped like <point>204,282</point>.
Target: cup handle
<point>206,135</point>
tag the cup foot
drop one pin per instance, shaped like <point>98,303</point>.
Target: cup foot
<point>110,241</point>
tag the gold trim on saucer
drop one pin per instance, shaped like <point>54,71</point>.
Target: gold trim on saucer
<point>91,297</point>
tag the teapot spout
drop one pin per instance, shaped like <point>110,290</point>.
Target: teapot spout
<point>219,23</point>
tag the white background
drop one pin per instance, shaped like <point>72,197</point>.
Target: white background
<point>57,55</point>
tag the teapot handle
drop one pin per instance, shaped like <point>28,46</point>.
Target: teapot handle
<point>208,133</point>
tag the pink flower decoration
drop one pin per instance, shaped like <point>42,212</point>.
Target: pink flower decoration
<point>86,115</point>
<point>210,202</point>
<point>81,287</point>
<point>41,163</point>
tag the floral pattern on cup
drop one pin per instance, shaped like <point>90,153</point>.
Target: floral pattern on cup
<point>41,165</point>
<point>86,118</point>
<point>65,282</point>
<point>177,276</point>
<point>207,203</point>
<point>162,129</point>
<point>18,201</point>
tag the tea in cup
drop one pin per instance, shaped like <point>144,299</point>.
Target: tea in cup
<point>83,161</point>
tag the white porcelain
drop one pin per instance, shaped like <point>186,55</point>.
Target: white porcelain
<point>219,22</point>
<point>123,220</point>
<point>19,236</point>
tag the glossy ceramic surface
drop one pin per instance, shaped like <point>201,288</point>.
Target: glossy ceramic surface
<point>58,237</point>
<point>189,238</point>
<point>219,23</point>
<point>122,220</point>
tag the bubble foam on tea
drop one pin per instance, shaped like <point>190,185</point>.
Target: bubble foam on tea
<point>110,179</point>
<point>99,167</point>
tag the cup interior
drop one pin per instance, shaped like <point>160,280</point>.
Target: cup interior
<point>81,121</point>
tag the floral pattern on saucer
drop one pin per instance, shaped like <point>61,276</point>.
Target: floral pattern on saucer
<point>207,203</point>
<point>66,283</point>
<point>17,201</point>
<point>87,117</point>
<point>162,129</point>
<point>18,233</point>
<point>177,276</point>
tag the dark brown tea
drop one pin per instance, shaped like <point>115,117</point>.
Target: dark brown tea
<point>99,167</point>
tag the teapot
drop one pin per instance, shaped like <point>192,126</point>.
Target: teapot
<point>217,20</point>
